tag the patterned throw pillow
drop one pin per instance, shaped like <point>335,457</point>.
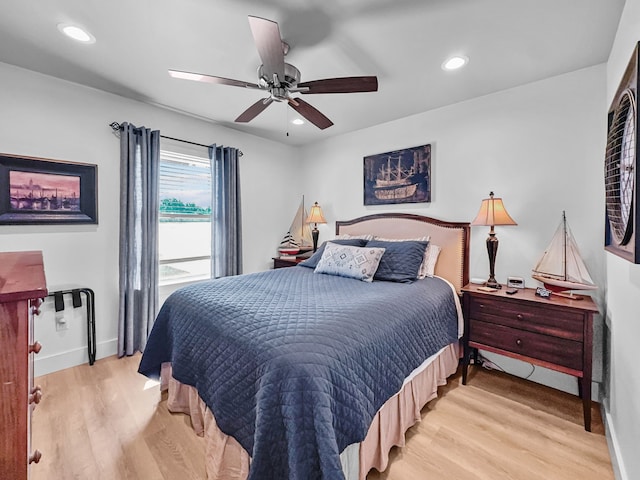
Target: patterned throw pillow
<point>312,262</point>
<point>401,260</point>
<point>360,263</point>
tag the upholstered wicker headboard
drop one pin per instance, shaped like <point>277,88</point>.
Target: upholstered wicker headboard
<point>452,238</point>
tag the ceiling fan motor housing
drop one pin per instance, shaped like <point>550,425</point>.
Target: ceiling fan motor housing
<point>291,79</point>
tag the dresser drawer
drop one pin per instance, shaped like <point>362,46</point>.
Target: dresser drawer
<point>559,351</point>
<point>556,322</point>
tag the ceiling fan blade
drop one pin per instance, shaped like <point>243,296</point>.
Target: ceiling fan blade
<point>310,113</point>
<point>254,110</point>
<point>266,35</point>
<point>341,85</point>
<point>199,77</point>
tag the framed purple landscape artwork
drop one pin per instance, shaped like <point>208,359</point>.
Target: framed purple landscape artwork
<point>36,191</point>
<point>401,176</point>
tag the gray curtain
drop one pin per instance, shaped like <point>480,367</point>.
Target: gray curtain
<point>139,164</point>
<point>226,221</point>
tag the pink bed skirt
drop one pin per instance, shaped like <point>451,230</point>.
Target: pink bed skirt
<point>227,460</point>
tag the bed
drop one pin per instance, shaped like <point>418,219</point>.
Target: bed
<point>318,376</point>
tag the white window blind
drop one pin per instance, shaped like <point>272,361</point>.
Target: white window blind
<point>184,217</point>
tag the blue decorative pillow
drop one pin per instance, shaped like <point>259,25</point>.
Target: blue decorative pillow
<point>360,263</point>
<point>401,260</point>
<point>312,262</point>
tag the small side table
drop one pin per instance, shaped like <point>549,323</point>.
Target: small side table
<point>555,332</point>
<point>279,262</point>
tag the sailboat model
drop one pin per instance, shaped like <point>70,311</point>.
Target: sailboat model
<point>561,268</point>
<point>298,238</point>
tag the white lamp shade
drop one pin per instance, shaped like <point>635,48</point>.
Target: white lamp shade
<point>315,215</point>
<point>492,212</point>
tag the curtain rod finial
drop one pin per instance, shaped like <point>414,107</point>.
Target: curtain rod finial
<point>116,127</point>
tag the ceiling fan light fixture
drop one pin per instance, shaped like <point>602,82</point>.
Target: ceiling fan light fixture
<point>297,121</point>
<point>455,62</point>
<point>77,33</point>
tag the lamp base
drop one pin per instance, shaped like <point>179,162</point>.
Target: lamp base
<point>492,250</point>
<point>315,233</point>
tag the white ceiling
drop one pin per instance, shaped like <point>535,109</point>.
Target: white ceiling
<point>403,42</point>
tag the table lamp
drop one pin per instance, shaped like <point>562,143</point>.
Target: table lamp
<point>492,212</point>
<point>315,217</point>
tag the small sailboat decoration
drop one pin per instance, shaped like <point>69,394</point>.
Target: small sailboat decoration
<point>561,267</point>
<point>288,245</point>
<point>298,237</point>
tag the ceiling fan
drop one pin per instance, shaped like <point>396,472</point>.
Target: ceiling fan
<point>281,79</point>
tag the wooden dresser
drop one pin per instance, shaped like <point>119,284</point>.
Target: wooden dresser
<point>555,333</point>
<point>22,286</point>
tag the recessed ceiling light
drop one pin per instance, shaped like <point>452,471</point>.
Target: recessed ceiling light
<point>77,33</point>
<point>297,121</point>
<point>455,63</point>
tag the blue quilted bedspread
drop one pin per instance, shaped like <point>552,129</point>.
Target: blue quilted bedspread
<point>294,364</point>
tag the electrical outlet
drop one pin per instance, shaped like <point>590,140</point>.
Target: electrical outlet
<point>61,325</point>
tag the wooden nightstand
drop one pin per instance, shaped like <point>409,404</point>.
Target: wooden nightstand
<point>286,262</point>
<point>556,332</point>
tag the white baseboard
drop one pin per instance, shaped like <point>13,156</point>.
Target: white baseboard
<point>614,447</point>
<point>71,358</point>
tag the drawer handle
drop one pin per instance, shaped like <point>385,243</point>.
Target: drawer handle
<point>520,316</point>
<point>35,348</point>
<point>481,305</point>
<point>35,306</point>
<point>519,342</point>
<point>35,457</point>
<point>36,396</point>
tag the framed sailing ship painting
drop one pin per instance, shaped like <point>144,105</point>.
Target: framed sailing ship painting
<point>400,176</point>
<point>36,191</point>
<point>621,175</point>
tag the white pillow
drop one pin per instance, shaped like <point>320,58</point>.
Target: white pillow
<point>418,239</point>
<point>422,272</point>
<point>346,236</point>
<point>428,267</point>
<point>360,263</point>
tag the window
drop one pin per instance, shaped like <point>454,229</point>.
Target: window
<point>185,217</point>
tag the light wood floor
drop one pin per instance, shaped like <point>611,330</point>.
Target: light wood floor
<point>101,422</point>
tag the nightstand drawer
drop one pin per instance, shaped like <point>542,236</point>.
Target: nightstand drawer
<point>559,351</point>
<point>539,319</point>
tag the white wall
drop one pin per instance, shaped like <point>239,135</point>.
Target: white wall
<point>623,296</point>
<point>538,146</point>
<point>50,118</point>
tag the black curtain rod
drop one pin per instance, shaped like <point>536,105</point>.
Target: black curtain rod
<point>115,126</point>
